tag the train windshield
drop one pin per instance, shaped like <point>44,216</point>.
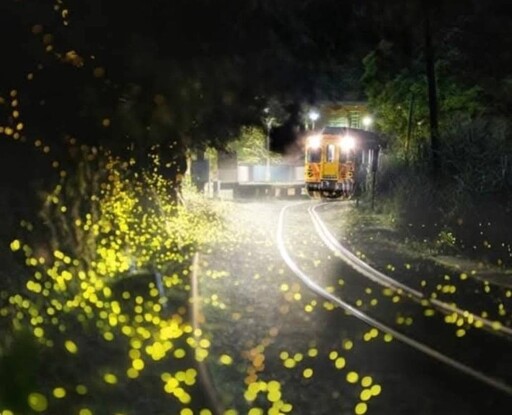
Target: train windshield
<point>314,155</point>
<point>330,153</point>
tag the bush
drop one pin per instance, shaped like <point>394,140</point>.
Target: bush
<point>477,156</point>
<point>108,334</point>
<point>467,209</point>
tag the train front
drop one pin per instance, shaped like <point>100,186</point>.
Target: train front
<point>329,165</point>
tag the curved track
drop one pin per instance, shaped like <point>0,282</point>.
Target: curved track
<point>366,270</point>
<point>376,276</point>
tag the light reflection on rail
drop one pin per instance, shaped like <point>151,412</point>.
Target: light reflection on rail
<point>313,286</point>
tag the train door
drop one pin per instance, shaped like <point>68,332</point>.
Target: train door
<point>313,160</point>
<point>330,164</point>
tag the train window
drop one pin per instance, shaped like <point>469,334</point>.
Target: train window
<point>330,156</point>
<point>314,155</point>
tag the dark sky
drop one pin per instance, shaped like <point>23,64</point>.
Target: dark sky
<point>218,63</point>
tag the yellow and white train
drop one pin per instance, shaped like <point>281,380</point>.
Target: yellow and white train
<point>330,164</point>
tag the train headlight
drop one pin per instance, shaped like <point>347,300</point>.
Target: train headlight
<point>314,141</point>
<point>347,143</point>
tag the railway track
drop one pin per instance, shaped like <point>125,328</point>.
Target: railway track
<point>367,271</point>
<point>379,278</point>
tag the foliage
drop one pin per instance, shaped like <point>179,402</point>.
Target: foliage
<point>445,241</point>
<point>466,213</point>
<point>390,97</point>
<point>103,309</point>
<point>116,219</point>
<point>134,83</point>
<point>477,155</point>
<point>251,147</point>
<point>97,344</point>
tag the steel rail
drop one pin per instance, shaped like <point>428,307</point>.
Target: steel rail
<point>363,268</point>
<point>482,377</point>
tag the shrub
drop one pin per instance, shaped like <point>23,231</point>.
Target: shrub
<point>91,307</point>
<point>468,208</point>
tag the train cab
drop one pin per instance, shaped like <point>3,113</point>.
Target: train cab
<point>330,165</point>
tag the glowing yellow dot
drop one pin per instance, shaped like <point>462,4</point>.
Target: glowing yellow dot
<point>313,352</point>
<point>70,346</point>
<point>307,373</point>
<point>110,378</point>
<point>328,305</point>
<point>388,337</point>
<point>366,381</point>
<point>15,245</point>
<point>274,395</point>
<point>132,373</point>
<point>179,353</point>
<point>429,312</point>
<point>365,395</point>
<point>226,359</point>
<point>496,325</point>
<point>59,393</point>
<point>352,377</point>
<point>361,408</point>
<point>339,363</point>
<point>85,411</point>
<point>108,336</point>
<point>255,411</point>
<point>81,389</point>
<point>205,343</point>
<point>375,390</point>
<point>186,411</point>
<point>286,408</point>
<point>347,344</point>
<point>138,364</point>
<point>37,402</point>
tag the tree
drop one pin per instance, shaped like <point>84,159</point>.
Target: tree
<point>405,66</point>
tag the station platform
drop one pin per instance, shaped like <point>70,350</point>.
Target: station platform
<point>256,190</point>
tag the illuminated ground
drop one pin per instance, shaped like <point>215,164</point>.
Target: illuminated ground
<point>234,331</point>
<point>321,360</point>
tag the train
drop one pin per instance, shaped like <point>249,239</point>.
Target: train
<point>331,158</point>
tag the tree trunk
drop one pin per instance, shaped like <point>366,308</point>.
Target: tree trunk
<point>409,128</point>
<point>432,92</point>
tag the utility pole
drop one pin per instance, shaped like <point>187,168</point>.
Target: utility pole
<point>409,128</point>
<point>268,124</point>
